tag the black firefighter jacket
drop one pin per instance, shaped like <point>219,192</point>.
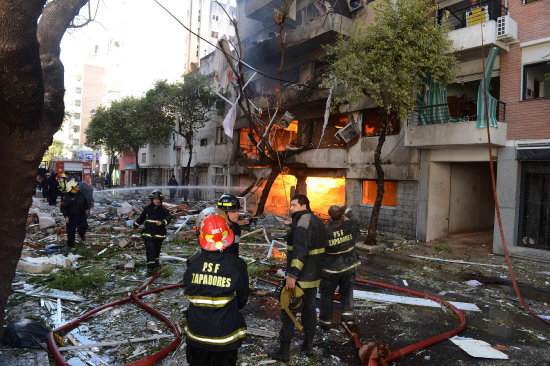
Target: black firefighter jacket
<point>150,215</point>
<point>74,204</point>
<point>340,255</point>
<point>216,285</point>
<point>306,244</point>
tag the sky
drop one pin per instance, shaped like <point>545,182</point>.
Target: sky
<point>137,41</point>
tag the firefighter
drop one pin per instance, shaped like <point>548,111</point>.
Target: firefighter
<point>53,186</point>
<point>62,185</point>
<point>74,208</point>
<point>230,204</point>
<point>306,244</point>
<point>45,185</point>
<point>156,217</point>
<point>341,263</point>
<point>216,285</point>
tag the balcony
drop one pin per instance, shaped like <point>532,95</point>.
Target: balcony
<point>453,124</point>
<point>300,41</point>
<point>468,21</point>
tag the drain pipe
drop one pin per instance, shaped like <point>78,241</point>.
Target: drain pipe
<point>416,346</point>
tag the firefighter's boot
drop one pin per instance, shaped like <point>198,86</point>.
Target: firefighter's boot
<point>282,354</point>
<point>307,346</point>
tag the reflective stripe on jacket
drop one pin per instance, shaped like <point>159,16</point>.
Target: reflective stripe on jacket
<point>306,249</point>
<point>216,285</point>
<point>341,257</point>
<point>150,215</point>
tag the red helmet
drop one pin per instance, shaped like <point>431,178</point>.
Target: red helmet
<point>214,233</point>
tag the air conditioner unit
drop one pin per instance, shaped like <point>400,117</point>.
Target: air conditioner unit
<point>348,133</point>
<point>507,29</point>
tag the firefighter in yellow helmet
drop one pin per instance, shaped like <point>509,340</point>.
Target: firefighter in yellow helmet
<point>216,285</point>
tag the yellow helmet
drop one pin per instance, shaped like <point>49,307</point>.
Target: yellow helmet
<point>63,175</point>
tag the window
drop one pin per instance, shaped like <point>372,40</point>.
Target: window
<point>77,102</point>
<point>78,90</point>
<point>215,18</point>
<point>76,115</point>
<point>221,137</point>
<point>372,120</point>
<point>535,84</point>
<point>220,178</point>
<point>369,193</point>
<point>203,142</point>
<point>143,158</point>
<point>214,34</point>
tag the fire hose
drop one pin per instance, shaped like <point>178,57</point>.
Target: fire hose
<point>381,352</point>
<point>136,297</point>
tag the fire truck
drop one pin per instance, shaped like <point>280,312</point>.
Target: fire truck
<point>74,169</point>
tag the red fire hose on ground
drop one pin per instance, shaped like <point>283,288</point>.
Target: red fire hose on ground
<point>372,355</point>
<point>136,297</point>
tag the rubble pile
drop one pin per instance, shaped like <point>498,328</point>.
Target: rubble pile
<point>55,285</point>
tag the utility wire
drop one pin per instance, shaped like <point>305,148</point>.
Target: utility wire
<point>234,58</point>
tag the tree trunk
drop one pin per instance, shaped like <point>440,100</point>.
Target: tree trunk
<point>112,164</point>
<point>371,237</point>
<point>265,193</point>
<point>31,111</point>
<point>138,183</point>
<point>189,139</point>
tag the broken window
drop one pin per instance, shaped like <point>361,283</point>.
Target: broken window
<point>372,120</point>
<point>312,131</point>
<point>369,193</point>
<point>221,137</point>
<point>246,144</point>
<point>203,142</point>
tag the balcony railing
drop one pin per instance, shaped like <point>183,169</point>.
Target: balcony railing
<point>465,14</point>
<point>460,111</point>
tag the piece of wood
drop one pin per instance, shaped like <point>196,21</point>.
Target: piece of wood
<point>115,343</point>
<point>261,333</point>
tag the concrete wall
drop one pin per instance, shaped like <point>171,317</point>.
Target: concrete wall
<point>393,222</point>
<point>439,191</point>
<point>472,206</point>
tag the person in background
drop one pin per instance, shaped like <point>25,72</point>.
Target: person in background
<point>88,192</point>
<point>155,218</point>
<point>341,263</point>
<point>45,185</point>
<point>306,244</point>
<point>74,208</point>
<point>173,182</point>
<point>230,204</point>
<point>53,186</point>
<point>217,287</point>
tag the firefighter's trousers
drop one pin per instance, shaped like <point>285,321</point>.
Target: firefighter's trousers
<point>201,357</point>
<point>345,289</point>
<point>308,318</point>
<point>152,252</point>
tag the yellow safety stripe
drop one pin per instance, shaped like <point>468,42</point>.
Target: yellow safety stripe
<point>317,251</point>
<point>297,263</point>
<point>325,322</point>
<point>347,313</point>
<point>151,221</point>
<point>219,341</point>
<point>160,236</point>
<point>165,222</point>
<point>356,264</point>
<point>225,204</point>
<point>309,284</point>
<point>341,252</point>
<point>147,235</point>
<point>212,302</point>
<point>289,248</point>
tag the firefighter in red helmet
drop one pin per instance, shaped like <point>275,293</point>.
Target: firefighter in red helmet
<point>216,285</point>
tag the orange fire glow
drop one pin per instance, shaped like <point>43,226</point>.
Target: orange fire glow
<point>322,193</point>
<point>278,254</point>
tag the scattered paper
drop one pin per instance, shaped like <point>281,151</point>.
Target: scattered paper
<point>477,348</point>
